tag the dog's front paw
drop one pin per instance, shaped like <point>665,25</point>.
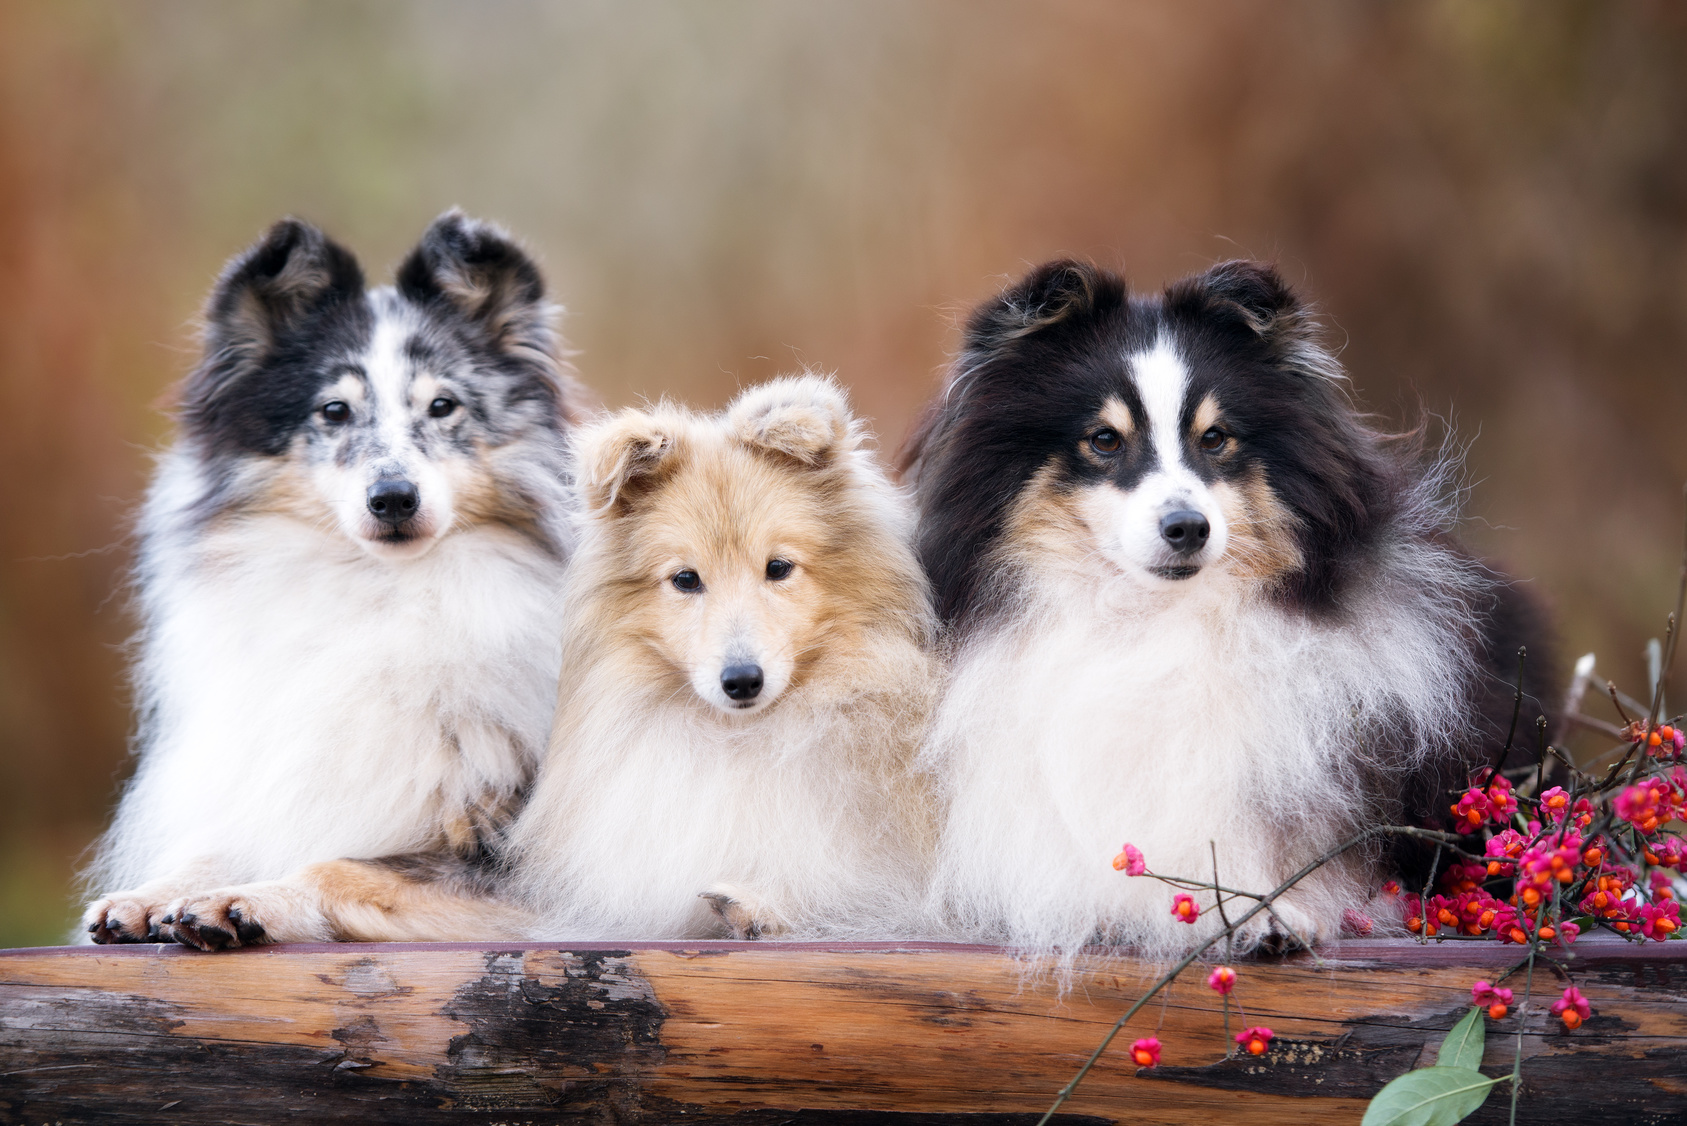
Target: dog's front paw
<point>248,915</point>
<point>125,916</point>
<point>1284,929</point>
<point>741,913</point>
<point>217,920</point>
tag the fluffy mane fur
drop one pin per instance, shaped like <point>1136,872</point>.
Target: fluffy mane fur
<point>801,818</point>
<point>1342,659</point>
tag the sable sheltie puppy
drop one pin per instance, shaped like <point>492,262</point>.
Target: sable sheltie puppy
<point>1195,600</point>
<point>745,683</point>
<point>348,575</point>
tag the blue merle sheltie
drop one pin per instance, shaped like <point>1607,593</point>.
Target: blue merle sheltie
<point>1195,601</point>
<point>348,571</point>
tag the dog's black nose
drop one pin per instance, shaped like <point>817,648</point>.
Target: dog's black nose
<point>741,682</point>
<point>1185,530</point>
<point>393,500</point>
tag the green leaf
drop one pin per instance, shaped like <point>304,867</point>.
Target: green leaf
<point>1463,1045</point>
<point>1429,1096</point>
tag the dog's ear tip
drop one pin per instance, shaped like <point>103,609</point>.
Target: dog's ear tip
<point>615,450</point>
<point>806,417</point>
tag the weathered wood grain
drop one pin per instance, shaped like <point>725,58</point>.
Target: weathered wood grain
<point>767,1033</point>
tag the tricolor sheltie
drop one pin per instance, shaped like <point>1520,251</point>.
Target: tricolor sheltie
<point>1194,601</point>
<point>745,682</point>
<point>349,572</point>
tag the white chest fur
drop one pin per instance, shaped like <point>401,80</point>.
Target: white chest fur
<point>1212,718</point>
<point>305,701</point>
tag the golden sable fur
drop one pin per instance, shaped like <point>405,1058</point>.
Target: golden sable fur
<point>765,537</point>
<point>795,810</point>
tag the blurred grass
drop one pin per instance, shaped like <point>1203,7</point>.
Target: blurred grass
<point>1487,197</point>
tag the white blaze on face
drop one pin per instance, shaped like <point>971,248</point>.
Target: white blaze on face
<point>1127,523</point>
<point>386,418</point>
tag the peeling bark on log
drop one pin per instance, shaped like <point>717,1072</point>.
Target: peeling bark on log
<point>788,1033</point>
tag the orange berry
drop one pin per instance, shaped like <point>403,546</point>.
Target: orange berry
<point>1571,1018</point>
<point>1593,856</point>
<point>1256,1047</point>
<point>1493,867</point>
<point>1654,739</point>
<point>1486,921</point>
<point>1548,934</point>
<point>1566,875</point>
<point>1415,924</point>
<point>1531,896</point>
<point>1497,1011</point>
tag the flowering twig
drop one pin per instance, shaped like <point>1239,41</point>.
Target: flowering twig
<point>1169,976</point>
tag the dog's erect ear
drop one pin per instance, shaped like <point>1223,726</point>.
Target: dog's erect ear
<point>617,455</point>
<point>805,418</point>
<point>1255,290</point>
<point>1256,294</point>
<point>274,286</point>
<point>1052,293</point>
<point>479,271</point>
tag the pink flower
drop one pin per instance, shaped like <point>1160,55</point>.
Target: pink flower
<point>1146,1052</point>
<point>1555,805</point>
<point>1572,1008</point>
<point>1130,861</point>
<point>1660,920</point>
<point>1255,1040</point>
<point>1183,907</point>
<point>1471,811</point>
<point>1503,848</point>
<point>1501,803</point>
<point>1666,851</point>
<point>1485,993</point>
<point>1639,805</point>
<point>1222,980</point>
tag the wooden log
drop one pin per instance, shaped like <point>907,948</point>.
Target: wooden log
<point>775,1033</point>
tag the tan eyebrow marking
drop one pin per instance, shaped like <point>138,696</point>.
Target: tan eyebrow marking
<point>1115,414</point>
<point>1206,416</point>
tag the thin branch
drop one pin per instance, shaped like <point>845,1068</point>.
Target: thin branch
<point>1516,710</point>
<point>1522,1023</point>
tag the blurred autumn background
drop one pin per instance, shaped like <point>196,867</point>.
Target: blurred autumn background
<point>1487,198</point>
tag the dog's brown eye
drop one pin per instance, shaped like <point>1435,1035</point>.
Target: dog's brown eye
<point>336,411</point>
<point>441,407</point>
<point>778,568</point>
<point>688,581</point>
<point>1213,439</point>
<point>1106,441</point>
